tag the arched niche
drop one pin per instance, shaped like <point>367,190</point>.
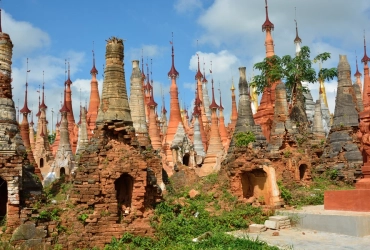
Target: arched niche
<point>41,162</point>
<point>186,159</point>
<point>302,171</point>
<point>124,186</point>
<point>62,171</point>
<point>254,183</point>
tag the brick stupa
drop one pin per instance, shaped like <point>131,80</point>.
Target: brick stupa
<point>114,104</point>
<point>25,131</point>
<point>94,102</point>
<point>215,151</point>
<point>17,182</point>
<point>73,132</point>
<point>63,163</point>
<point>341,144</point>
<point>137,105</point>
<point>265,112</point>
<point>358,199</point>
<point>245,121</point>
<point>42,152</point>
<point>234,110</point>
<point>175,117</point>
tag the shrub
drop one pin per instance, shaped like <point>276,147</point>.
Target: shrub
<point>243,139</point>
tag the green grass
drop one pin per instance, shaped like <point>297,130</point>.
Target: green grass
<point>179,219</point>
<point>302,195</point>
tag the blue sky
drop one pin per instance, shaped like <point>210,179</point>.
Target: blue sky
<point>228,33</point>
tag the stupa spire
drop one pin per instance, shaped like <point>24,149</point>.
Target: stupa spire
<point>366,88</point>
<point>365,59</point>
<point>213,104</point>
<point>43,106</point>
<point>357,74</point>
<point>267,25</point>
<point>94,101</point>
<point>39,112</point>
<point>234,111</point>
<point>64,108</point>
<point>297,38</point>
<point>173,72</point>
<point>93,70</point>
<point>198,75</point>
<point>25,109</point>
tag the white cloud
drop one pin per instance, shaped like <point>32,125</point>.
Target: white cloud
<point>147,50</point>
<point>237,24</point>
<point>182,6</point>
<point>25,37</point>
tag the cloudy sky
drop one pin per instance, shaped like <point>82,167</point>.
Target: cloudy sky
<point>226,32</point>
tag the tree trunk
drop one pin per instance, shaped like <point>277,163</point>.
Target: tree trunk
<point>298,112</point>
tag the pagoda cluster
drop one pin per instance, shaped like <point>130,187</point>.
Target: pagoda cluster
<point>197,138</point>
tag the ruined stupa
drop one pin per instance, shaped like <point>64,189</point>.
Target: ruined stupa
<point>114,104</point>
<point>341,151</point>
<point>245,121</point>
<point>18,181</point>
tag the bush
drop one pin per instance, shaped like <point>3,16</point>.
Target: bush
<point>243,139</point>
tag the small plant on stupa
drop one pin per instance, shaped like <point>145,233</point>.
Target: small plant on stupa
<point>243,139</point>
<point>287,154</point>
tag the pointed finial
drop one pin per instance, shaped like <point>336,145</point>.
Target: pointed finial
<point>39,112</point>
<point>213,104</point>
<point>365,59</point>
<point>297,38</point>
<point>43,106</point>
<point>69,82</point>
<point>173,72</point>
<point>198,75</point>
<point>25,109</point>
<point>142,65</point>
<point>267,25</point>
<point>357,74</point>
<point>103,70</point>
<point>219,91</point>
<point>93,69</point>
<point>204,72</point>
<point>64,107</point>
<point>151,73</point>
<point>232,84</point>
<point>65,71</point>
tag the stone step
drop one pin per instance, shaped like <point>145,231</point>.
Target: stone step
<point>340,222</point>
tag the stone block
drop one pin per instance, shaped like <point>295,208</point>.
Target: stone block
<point>278,218</point>
<point>256,228</point>
<point>272,224</point>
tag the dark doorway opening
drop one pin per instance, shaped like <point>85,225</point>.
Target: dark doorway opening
<point>41,162</point>
<point>185,159</point>
<point>253,183</point>
<point>62,172</point>
<point>3,200</point>
<point>302,171</point>
<point>124,185</point>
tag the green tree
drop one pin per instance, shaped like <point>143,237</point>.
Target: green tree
<point>51,137</point>
<point>292,71</point>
